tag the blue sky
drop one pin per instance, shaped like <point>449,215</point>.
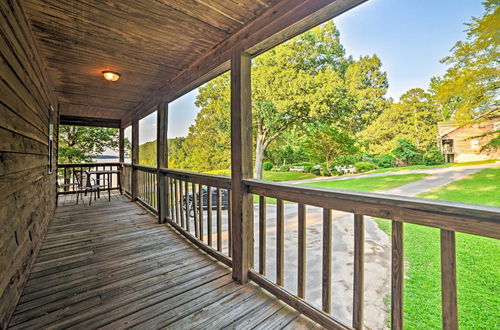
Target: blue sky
<point>410,37</point>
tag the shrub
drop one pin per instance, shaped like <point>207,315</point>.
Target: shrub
<point>433,157</point>
<point>407,153</point>
<point>336,173</point>
<point>307,168</point>
<point>285,168</point>
<point>385,161</point>
<point>364,166</point>
<point>316,171</point>
<point>325,173</point>
<point>268,166</point>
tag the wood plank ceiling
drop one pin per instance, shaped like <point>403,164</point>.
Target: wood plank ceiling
<point>148,42</point>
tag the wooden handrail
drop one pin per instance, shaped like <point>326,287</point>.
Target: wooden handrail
<point>482,220</point>
<point>67,165</point>
<point>217,181</point>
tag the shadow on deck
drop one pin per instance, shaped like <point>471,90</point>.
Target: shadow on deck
<point>110,265</point>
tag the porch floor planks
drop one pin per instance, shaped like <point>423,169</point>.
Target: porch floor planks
<point>110,265</point>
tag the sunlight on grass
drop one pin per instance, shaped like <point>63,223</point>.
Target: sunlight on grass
<point>370,184</point>
<point>478,278</point>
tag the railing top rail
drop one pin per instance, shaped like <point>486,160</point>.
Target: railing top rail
<point>88,164</point>
<point>482,220</point>
<point>200,178</point>
<point>145,168</point>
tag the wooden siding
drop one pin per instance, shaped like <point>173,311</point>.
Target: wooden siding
<point>27,191</point>
<point>112,266</point>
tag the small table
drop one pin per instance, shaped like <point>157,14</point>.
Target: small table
<point>98,174</point>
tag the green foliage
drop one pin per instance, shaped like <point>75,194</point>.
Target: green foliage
<point>316,171</point>
<point>327,143</point>
<point>414,119</point>
<point>325,173</point>
<point>406,153</point>
<point>307,168</point>
<point>285,168</point>
<point>364,166</point>
<point>81,144</point>
<point>433,157</point>
<point>470,85</point>
<point>346,160</point>
<point>268,166</point>
<point>147,153</point>
<point>385,161</point>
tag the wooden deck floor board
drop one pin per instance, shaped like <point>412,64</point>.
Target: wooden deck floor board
<point>111,265</point>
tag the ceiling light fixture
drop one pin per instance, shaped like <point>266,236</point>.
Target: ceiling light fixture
<point>111,76</point>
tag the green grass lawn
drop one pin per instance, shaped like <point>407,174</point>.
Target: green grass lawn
<point>274,176</point>
<point>418,167</point>
<point>478,262</point>
<point>380,183</point>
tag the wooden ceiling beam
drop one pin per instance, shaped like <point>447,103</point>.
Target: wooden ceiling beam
<point>277,24</point>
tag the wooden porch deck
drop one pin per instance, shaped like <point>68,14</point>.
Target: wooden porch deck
<point>110,265</point>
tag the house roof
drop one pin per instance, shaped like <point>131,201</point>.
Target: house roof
<point>474,119</point>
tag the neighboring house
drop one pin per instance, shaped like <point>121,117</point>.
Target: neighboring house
<point>463,143</point>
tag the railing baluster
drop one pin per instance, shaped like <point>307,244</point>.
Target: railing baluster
<point>219,220</point>
<point>176,197</point>
<point>327,261</point>
<point>359,262</point>
<point>209,215</point>
<point>181,201</point>
<point>397,271</point>
<point>301,272</point>
<point>200,213</point>
<point>172,201</point>
<point>229,225</point>
<point>186,205</point>
<point>262,235</point>
<point>280,243</point>
<point>195,210</point>
<point>448,280</point>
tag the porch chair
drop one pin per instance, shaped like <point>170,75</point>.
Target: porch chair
<point>85,184</point>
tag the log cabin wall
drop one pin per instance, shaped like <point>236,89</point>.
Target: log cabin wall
<point>27,189</point>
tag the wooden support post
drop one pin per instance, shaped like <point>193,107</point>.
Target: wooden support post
<point>326,295</point>
<point>241,166</point>
<point>121,145</point>
<point>162,159</point>
<point>135,157</point>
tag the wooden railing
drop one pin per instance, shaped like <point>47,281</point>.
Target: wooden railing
<point>147,193</point>
<point>66,174</point>
<point>126,177</point>
<point>210,229</point>
<point>449,217</point>
<point>198,206</point>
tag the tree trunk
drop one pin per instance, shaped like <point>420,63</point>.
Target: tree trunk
<point>259,157</point>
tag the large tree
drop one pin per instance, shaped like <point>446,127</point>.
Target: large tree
<point>470,85</point>
<point>82,144</point>
<point>326,142</point>
<point>413,118</point>
<point>306,79</point>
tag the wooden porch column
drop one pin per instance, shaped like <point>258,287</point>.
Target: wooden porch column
<point>135,156</point>
<point>162,158</point>
<point>241,166</point>
<point>121,145</point>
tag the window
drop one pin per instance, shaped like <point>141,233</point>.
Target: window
<point>496,126</point>
<point>474,144</point>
